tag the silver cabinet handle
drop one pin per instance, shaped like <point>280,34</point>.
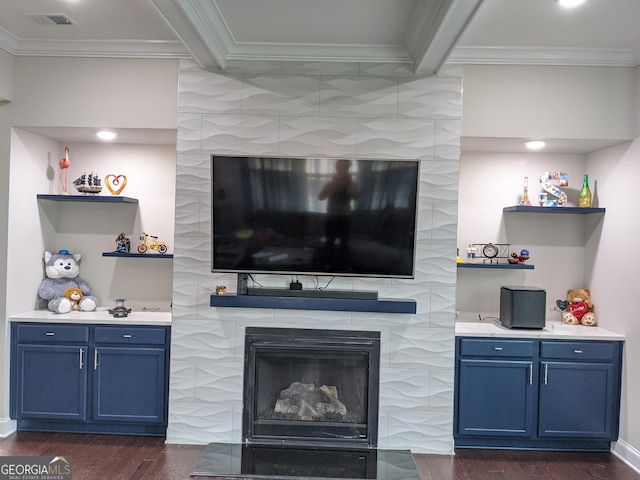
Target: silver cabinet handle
<point>531,374</point>
<point>126,335</point>
<point>81,358</point>
<point>497,349</point>
<point>49,334</point>
<point>546,373</point>
<point>577,351</point>
<point>95,359</point>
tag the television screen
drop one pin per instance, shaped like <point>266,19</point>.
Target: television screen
<point>314,216</point>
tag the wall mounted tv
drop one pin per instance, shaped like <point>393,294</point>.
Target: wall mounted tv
<point>321,216</point>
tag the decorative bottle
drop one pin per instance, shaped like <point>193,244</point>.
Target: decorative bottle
<point>584,199</point>
<point>525,193</point>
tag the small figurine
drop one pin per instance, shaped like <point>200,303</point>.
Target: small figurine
<point>153,244</point>
<point>65,163</point>
<point>123,245</point>
<point>74,295</point>
<point>120,311</point>
<point>115,183</point>
<point>519,259</point>
<point>90,184</point>
<point>472,251</point>
<point>221,290</point>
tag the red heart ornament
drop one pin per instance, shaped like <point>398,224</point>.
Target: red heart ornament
<point>579,309</point>
<point>115,183</point>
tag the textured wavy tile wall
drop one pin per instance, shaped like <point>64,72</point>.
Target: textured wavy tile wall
<point>336,110</point>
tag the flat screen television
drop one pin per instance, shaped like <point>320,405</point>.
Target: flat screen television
<point>320,216</point>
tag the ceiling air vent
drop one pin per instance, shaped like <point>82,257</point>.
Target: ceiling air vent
<point>51,19</point>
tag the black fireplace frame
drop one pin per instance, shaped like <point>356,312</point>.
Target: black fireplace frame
<point>311,434</point>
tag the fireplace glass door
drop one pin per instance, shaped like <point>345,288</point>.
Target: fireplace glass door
<point>311,387</point>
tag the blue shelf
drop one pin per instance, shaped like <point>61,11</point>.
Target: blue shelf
<point>306,303</point>
<point>137,255</point>
<point>505,266</point>
<point>87,198</point>
<point>523,208</point>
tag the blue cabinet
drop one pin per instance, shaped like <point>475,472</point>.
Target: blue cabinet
<point>504,407</point>
<point>129,378</point>
<point>122,393</point>
<point>51,382</point>
<point>90,378</point>
<point>530,393</point>
<point>585,374</point>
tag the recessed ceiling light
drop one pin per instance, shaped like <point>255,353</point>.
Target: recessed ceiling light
<point>106,135</point>
<point>535,144</point>
<point>570,3</point>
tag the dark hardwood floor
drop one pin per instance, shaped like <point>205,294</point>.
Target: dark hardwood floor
<point>114,457</point>
<point>523,465</point>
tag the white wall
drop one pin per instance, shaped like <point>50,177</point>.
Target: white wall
<point>596,251</point>
<point>95,92</point>
<point>614,279</point>
<point>6,111</point>
<point>488,183</point>
<point>297,114</point>
<point>25,269</point>
<point>549,102</point>
<point>6,76</point>
<point>637,101</point>
<point>31,156</point>
<point>84,93</point>
<point>91,228</point>
<point>90,93</point>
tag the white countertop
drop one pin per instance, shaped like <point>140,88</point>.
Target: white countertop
<point>99,316</point>
<point>552,330</point>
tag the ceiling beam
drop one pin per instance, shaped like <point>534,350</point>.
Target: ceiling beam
<point>185,19</point>
<point>435,30</point>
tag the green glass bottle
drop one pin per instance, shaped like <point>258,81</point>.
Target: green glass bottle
<point>584,199</point>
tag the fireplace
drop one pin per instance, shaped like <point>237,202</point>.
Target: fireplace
<point>308,387</point>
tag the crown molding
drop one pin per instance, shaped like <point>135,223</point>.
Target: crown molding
<point>99,48</point>
<point>8,42</point>
<point>544,56</point>
<point>320,53</point>
<point>92,48</point>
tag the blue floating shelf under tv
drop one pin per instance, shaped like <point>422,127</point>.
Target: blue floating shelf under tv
<point>307,303</point>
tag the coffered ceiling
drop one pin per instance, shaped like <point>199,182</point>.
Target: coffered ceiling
<point>420,33</point>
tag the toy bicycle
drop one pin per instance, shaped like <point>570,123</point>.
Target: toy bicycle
<point>151,242</point>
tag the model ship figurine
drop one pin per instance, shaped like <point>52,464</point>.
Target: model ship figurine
<point>88,183</point>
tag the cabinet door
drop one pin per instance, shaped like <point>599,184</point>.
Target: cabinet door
<point>129,384</point>
<point>51,382</point>
<point>577,400</point>
<point>495,397</point>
